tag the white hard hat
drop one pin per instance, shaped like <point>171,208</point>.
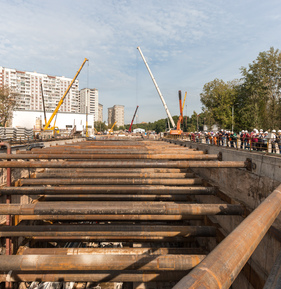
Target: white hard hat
<point>279,130</point>
<point>273,130</point>
<point>261,130</point>
<point>246,131</point>
<point>243,130</point>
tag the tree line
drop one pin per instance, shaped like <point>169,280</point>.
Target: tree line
<point>253,101</point>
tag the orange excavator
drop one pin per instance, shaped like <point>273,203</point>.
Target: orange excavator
<point>178,131</point>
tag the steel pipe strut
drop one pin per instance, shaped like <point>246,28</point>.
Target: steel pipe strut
<point>110,156</point>
<point>60,263</point>
<point>28,182</point>
<point>111,251</point>
<point>118,276</point>
<point>107,231</point>
<point>142,208</point>
<point>223,264</point>
<point>124,164</point>
<point>115,175</point>
<point>112,217</point>
<point>102,197</point>
<point>140,190</point>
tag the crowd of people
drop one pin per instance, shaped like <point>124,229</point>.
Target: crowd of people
<point>255,140</point>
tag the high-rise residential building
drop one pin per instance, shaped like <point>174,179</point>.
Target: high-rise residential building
<point>116,113</point>
<point>28,87</point>
<point>100,113</point>
<point>110,116</point>
<point>88,101</point>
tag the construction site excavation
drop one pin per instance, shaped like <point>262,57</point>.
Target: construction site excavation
<point>139,213</point>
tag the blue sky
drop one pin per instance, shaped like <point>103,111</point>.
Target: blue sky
<point>186,43</point>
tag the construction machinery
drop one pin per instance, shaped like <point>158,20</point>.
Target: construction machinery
<point>178,130</point>
<point>48,123</point>
<point>158,90</point>
<point>130,128</point>
<point>111,130</point>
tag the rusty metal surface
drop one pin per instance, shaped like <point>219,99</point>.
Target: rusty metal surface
<point>136,192</point>
<point>111,156</point>
<point>98,262</point>
<point>108,175</point>
<point>107,231</point>
<point>113,197</point>
<point>224,263</point>
<point>143,190</point>
<point>97,276</point>
<point>116,251</point>
<point>60,181</point>
<point>143,208</point>
<point>112,217</point>
<point>123,164</point>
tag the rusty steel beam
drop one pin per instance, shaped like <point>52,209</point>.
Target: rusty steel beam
<point>107,151</point>
<point>225,262</point>
<point>127,239</point>
<point>111,251</point>
<point>107,208</point>
<point>111,175</point>
<point>140,190</point>
<point>111,217</point>
<point>109,276</point>
<point>105,231</point>
<point>99,156</point>
<point>25,263</point>
<point>56,181</point>
<point>120,170</point>
<point>124,164</point>
<point>101,197</point>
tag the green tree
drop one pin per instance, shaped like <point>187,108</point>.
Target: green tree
<point>218,98</point>
<point>100,126</point>
<point>261,90</point>
<point>8,100</point>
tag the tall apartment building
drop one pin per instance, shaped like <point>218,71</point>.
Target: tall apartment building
<point>88,101</point>
<point>100,113</point>
<point>116,113</point>
<point>110,116</point>
<point>28,87</point>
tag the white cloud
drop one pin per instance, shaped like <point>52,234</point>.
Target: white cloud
<point>186,43</point>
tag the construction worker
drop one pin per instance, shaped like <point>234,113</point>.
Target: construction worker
<point>273,141</point>
<point>278,140</point>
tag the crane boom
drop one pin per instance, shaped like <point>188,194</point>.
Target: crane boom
<point>63,97</point>
<point>130,128</point>
<point>157,88</point>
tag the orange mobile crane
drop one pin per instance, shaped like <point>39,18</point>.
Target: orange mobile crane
<point>178,130</point>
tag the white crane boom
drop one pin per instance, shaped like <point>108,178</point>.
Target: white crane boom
<point>157,88</point>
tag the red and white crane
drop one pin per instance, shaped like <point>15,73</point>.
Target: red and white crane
<point>130,128</point>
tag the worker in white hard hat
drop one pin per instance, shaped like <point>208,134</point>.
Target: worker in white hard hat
<point>278,140</point>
